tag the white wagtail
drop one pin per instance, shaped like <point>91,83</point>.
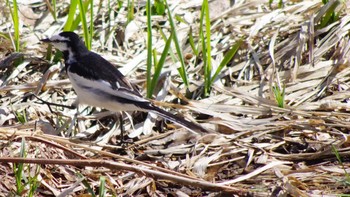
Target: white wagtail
<point>98,83</point>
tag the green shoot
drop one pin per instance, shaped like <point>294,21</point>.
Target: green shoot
<point>159,65</point>
<point>330,16</point>
<point>86,184</point>
<point>130,16</point>
<point>91,33</point>
<point>15,19</point>
<point>82,13</point>
<point>182,70</point>
<point>54,10</point>
<point>158,8</point>
<point>73,22</point>
<point>279,96</point>
<point>280,3</point>
<point>71,14</point>
<point>24,182</point>
<point>206,47</point>
<point>191,40</point>
<point>33,181</point>
<point>21,116</point>
<point>155,60</point>
<point>180,19</point>
<point>347,176</point>
<point>18,170</point>
<point>172,55</point>
<point>227,58</point>
<point>149,49</point>
<point>120,3</point>
<point>102,190</point>
<point>77,20</point>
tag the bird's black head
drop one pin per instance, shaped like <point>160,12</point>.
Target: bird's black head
<point>69,43</point>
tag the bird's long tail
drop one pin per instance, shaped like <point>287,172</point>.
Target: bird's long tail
<point>178,120</point>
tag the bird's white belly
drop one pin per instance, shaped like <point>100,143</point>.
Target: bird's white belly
<point>90,96</point>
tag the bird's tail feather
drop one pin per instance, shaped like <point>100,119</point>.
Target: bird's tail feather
<point>179,120</point>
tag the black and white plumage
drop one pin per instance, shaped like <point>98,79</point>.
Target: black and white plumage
<point>98,83</point>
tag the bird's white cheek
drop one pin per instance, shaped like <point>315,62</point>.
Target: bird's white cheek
<point>60,46</point>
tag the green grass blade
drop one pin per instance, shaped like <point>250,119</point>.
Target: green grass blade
<point>330,16</point>
<point>172,55</point>
<point>160,64</point>
<point>279,96</point>
<point>54,3</point>
<point>91,22</point>
<point>82,13</point>
<point>149,49</point>
<point>86,184</point>
<point>180,19</point>
<point>201,34</point>
<point>154,53</point>
<point>336,153</point>
<point>18,169</point>
<point>102,189</point>
<point>33,182</point>
<point>15,19</point>
<point>208,68</point>
<point>182,69</point>
<point>227,58</point>
<point>159,7</point>
<point>191,41</point>
<point>77,19</point>
<point>71,15</point>
<point>206,47</point>
<point>21,116</point>
<point>130,14</point>
<point>202,41</point>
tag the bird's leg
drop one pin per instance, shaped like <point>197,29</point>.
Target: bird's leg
<point>123,142</point>
<point>54,104</point>
<point>120,117</point>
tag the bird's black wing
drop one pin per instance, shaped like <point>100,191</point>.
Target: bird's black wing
<point>97,69</point>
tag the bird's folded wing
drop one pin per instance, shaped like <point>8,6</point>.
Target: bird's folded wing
<point>100,74</point>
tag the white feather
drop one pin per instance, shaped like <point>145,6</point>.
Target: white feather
<point>92,97</point>
<point>60,43</point>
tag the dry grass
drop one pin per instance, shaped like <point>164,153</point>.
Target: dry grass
<point>259,150</point>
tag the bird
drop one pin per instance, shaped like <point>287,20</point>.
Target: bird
<point>98,83</point>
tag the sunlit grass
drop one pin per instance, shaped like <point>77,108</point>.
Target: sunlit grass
<point>330,15</point>
<point>149,50</point>
<point>71,16</point>
<point>82,14</point>
<point>279,95</point>
<point>130,15</point>
<point>15,20</point>
<point>26,183</point>
<point>52,9</point>
<point>86,184</point>
<point>204,42</point>
<point>159,7</point>
<point>102,188</point>
<point>206,47</point>
<point>73,22</point>
<point>21,116</point>
<point>346,180</point>
<point>159,64</point>
<point>19,169</point>
<point>280,3</point>
<point>182,69</point>
<point>227,58</point>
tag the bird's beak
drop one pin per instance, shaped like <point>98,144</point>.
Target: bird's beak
<point>45,40</point>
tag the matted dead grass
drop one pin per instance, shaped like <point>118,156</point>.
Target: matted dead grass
<point>259,149</point>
